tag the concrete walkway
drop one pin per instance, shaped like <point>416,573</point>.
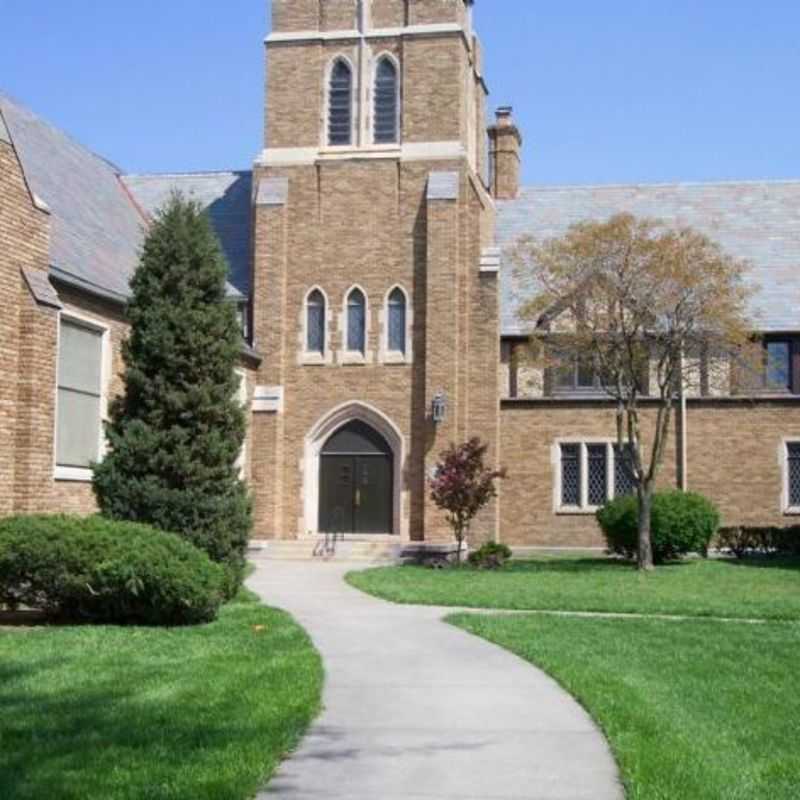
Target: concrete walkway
<point>419,710</point>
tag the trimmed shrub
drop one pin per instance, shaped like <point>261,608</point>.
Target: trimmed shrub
<point>490,556</point>
<point>681,523</point>
<point>743,540</point>
<point>102,571</point>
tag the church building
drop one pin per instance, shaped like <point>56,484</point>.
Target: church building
<point>381,314</point>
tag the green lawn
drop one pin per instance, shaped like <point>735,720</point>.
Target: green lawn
<point>104,713</point>
<point>693,710</point>
<point>763,589</point>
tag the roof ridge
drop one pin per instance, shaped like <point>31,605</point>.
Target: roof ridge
<point>24,109</point>
<point>660,184</point>
<point>187,173</point>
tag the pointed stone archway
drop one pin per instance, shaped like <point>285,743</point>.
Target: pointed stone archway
<point>318,437</point>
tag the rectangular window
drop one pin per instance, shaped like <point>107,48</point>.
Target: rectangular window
<point>597,474</point>
<point>591,474</point>
<point>779,365</point>
<point>623,475</point>
<point>793,474</point>
<point>571,475</point>
<point>80,369</point>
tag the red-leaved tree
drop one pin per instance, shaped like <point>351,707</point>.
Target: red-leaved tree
<point>463,485</point>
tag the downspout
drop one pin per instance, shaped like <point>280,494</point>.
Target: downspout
<point>683,439</point>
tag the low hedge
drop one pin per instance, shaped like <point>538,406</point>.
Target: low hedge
<point>102,571</point>
<point>681,523</point>
<point>744,540</point>
<point>490,556</point>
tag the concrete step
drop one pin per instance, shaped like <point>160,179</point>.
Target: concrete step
<point>311,549</point>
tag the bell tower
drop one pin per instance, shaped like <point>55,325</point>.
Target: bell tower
<point>375,286</point>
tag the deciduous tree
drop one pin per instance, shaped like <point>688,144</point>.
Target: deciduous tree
<point>636,302</point>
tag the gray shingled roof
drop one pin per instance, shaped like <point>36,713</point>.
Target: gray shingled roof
<point>756,221</point>
<point>97,228</point>
<point>227,196</point>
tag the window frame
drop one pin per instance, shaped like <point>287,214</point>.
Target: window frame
<point>326,127</point>
<point>349,356</point>
<point>386,56</point>
<point>787,509</point>
<point>315,357</point>
<point>243,398</point>
<point>583,443</point>
<point>389,355</point>
<point>790,385</point>
<point>83,474</point>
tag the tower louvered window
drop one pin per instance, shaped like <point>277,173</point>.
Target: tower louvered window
<point>315,323</point>
<point>340,105</point>
<point>356,321</point>
<point>397,322</point>
<point>386,103</point>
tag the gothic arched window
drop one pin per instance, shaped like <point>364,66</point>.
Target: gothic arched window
<point>356,321</point>
<point>340,104</point>
<point>387,102</point>
<point>315,322</point>
<point>396,313</point>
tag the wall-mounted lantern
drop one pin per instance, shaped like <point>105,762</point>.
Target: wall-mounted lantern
<point>439,408</point>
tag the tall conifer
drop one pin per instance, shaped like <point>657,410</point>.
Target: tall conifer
<point>176,432</point>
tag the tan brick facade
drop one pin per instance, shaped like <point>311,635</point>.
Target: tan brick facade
<point>415,215</point>
<point>363,216</point>
<point>26,341</point>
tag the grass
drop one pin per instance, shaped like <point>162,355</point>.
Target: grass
<point>104,713</point>
<point>758,589</point>
<point>693,710</point>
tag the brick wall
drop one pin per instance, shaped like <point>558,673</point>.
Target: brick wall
<point>733,458</point>
<point>24,231</point>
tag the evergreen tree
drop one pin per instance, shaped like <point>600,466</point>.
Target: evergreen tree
<point>176,432</point>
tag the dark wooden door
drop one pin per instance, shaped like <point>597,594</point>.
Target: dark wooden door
<point>373,494</point>
<point>337,491</point>
<point>356,494</point>
<point>356,482</point>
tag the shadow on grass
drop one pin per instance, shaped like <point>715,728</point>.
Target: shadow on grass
<point>587,565</point>
<point>768,562</point>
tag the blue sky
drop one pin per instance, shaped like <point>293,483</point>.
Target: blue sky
<point>604,92</point>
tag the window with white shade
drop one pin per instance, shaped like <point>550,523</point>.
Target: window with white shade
<point>591,473</point>
<point>79,433</point>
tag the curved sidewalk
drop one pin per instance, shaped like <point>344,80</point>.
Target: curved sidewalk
<point>419,710</point>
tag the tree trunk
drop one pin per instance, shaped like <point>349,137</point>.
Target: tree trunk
<point>645,557</point>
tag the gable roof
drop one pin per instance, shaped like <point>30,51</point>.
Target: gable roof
<point>756,221</point>
<point>97,229</point>
<point>226,196</point>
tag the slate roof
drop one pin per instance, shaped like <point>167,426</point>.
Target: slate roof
<point>227,197</point>
<point>97,228</point>
<point>756,221</point>
<point>96,231</point>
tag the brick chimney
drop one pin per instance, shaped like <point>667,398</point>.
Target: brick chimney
<point>505,143</point>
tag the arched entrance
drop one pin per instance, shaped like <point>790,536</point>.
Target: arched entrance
<point>356,481</point>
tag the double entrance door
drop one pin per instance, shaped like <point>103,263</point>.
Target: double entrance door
<point>356,483</point>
